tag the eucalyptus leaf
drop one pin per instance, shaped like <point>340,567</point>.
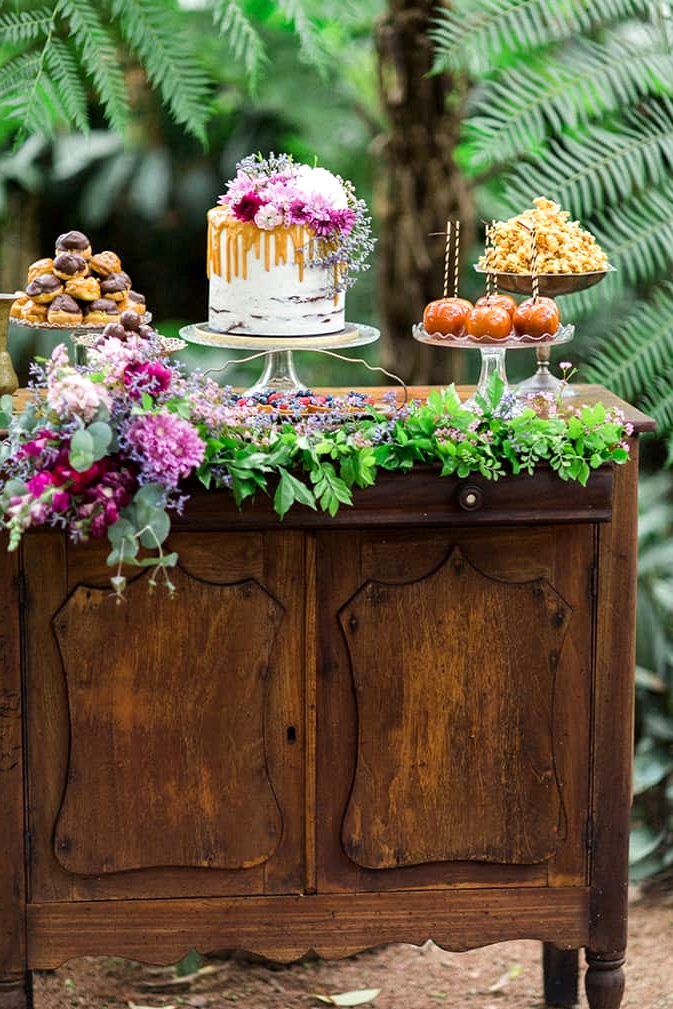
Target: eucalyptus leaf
<point>81,456</point>
<point>155,528</point>
<point>122,530</point>
<point>101,436</point>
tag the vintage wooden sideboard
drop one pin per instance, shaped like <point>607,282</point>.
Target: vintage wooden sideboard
<point>411,721</point>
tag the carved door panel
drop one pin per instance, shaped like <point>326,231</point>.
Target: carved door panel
<point>462,668</point>
<point>183,758</point>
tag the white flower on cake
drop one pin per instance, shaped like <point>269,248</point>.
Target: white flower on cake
<point>323,185</point>
<point>268,218</point>
<point>284,243</point>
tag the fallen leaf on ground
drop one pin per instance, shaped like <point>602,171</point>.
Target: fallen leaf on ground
<point>350,998</point>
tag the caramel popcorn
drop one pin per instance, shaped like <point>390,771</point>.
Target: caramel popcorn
<point>562,245</point>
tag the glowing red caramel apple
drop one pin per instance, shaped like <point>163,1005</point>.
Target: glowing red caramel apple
<point>446,316</point>
<point>489,321</point>
<point>537,317</point>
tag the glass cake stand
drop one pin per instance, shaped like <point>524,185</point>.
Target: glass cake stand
<point>550,285</point>
<point>493,351</point>
<point>279,372</point>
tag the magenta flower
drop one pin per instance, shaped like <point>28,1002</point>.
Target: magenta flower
<point>246,208</point>
<point>38,484</point>
<point>146,376</point>
<point>166,447</point>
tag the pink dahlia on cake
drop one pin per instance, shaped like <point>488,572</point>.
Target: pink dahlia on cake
<point>284,243</point>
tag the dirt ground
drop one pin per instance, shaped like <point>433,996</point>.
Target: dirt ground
<point>506,976</point>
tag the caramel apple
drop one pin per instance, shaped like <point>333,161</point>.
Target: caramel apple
<point>446,316</point>
<point>536,317</point>
<point>489,321</point>
<point>505,301</point>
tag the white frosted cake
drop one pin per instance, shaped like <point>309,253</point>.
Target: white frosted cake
<point>283,243</point>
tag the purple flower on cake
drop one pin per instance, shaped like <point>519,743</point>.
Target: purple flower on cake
<point>278,192</point>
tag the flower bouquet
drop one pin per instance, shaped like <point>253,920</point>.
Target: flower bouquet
<point>279,192</point>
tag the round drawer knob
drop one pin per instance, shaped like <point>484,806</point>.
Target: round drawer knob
<point>471,498</point>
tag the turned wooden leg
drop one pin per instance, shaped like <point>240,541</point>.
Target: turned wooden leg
<point>16,993</point>
<point>560,969</point>
<point>604,981</point>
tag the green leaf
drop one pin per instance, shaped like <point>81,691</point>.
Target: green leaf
<point>651,765</point>
<point>156,527</point>
<point>101,436</point>
<point>289,490</point>
<point>81,455</point>
<point>151,494</point>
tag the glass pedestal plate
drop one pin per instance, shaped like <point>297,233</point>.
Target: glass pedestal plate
<point>493,353</point>
<point>279,371</point>
<point>549,285</point>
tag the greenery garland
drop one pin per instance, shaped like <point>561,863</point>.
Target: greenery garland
<point>111,448</point>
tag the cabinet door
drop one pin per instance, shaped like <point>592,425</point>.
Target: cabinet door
<point>166,734</point>
<point>453,686</point>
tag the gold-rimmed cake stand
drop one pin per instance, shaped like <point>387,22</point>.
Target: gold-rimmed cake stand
<point>279,372</point>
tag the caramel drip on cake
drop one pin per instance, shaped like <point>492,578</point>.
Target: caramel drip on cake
<point>243,237</point>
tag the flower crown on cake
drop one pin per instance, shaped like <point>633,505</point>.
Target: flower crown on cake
<point>277,192</point>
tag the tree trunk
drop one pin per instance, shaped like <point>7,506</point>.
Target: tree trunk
<point>421,188</point>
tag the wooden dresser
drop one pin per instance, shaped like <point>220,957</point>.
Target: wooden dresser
<point>411,721</point>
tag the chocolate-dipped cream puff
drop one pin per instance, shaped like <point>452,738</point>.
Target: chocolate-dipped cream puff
<point>101,311</point>
<point>74,241</point>
<point>68,265</point>
<point>116,286</point>
<point>44,288</point>
<point>134,302</point>
<point>64,311</point>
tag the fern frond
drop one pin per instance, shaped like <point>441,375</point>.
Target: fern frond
<point>25,26</point>
<point>602,167</point>
<point>308,32</point>
<point>658,403</point>
<point>515,111</point>
<point>66,85</point>
<point>17,76</point>
<point>473,36</point>
<point>630,358</point>
<point>99,58</point>
<point>245,43</point>
<point>153,32</point>
<point>638,235</point>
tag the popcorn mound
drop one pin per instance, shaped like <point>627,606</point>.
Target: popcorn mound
<point>562,245</point>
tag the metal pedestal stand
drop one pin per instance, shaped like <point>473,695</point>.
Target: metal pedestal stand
<point>279,372</point>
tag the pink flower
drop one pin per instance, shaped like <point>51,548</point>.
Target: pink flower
<point>38,484</point>
<point>246,207</point>
<point>146,376</point>
<point>71,394</point>
<point>166,447</point>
